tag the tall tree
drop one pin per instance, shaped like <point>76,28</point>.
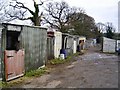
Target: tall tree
<point>109,30</point>
<point>57,15</point>
<point>19,11</point>
<point>83,25</point>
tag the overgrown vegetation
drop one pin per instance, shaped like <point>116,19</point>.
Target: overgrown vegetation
<point>3,84</point>
<point>37,72</point>
<point>61,61</point>
<point>13,82</point>
<point>28,75</point>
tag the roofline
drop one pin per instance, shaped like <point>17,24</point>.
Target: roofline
<point>24,25</point>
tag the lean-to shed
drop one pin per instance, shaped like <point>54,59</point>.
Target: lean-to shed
<point>23,48</point>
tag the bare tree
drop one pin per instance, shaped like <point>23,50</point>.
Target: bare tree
<point>58,15</point>
<point>3,4</point>
<point>20,11</point>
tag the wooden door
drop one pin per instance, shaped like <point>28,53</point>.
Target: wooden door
<point>14,64</point>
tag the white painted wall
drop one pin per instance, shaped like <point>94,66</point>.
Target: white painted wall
<point>57,43</point>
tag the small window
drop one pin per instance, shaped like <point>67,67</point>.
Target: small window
<point>12,40</point>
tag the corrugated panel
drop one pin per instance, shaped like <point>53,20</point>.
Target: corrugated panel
<point>0,53</point>
<point>109,45</point>
<point>50,48</point>
<point>3,45</point>
<point>69,46</point>
<point>34,42</point>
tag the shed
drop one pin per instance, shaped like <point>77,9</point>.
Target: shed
<point>54,44</point>
<point>23,49</point>
<point>109,45</point>
<point>82,41</point>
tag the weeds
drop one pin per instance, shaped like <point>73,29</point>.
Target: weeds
<point>59,61</point>
<point>32,73</point>
<point>3,84</point>
<point>36,73</point>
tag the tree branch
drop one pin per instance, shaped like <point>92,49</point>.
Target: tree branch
<point>20,5</point>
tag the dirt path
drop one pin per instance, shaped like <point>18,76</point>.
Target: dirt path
<point>91,70</point>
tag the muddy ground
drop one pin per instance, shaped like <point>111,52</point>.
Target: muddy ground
<point>91,70</point>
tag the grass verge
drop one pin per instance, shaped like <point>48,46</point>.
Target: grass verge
<point>59,61</point>
<point>28,75</point>
<point>36,73</point>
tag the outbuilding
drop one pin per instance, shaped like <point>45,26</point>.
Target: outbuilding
<point>23,48</point>
<point>54,44</point>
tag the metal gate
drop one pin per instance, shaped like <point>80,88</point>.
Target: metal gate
<point>14,64</point>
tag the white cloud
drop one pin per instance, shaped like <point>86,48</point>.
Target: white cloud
<point>101,10</point>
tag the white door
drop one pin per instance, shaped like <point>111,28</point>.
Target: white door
<point>74,46</point>
<point>58,44</point>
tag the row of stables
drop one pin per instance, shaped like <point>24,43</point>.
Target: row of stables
<point>25,48</point>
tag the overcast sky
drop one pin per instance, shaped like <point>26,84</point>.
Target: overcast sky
<point>101,10</point>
